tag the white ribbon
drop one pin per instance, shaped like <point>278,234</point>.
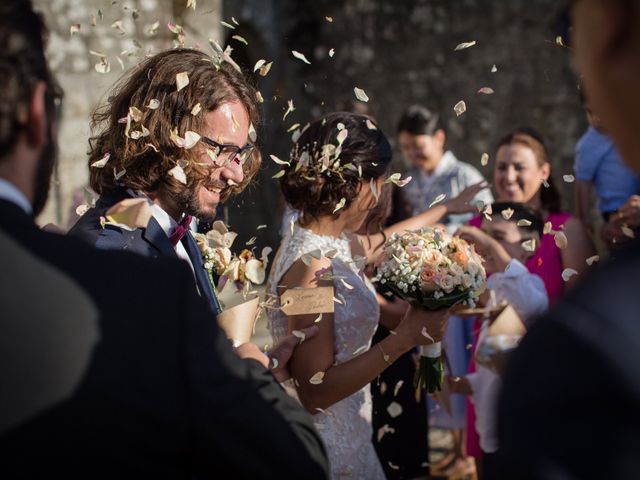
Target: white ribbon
<point>433,350</point>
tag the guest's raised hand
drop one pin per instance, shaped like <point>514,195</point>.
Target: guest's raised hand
<point>423,327</point>
<point>462,203</point>
<point>475,236</point>
<point>629,213</point>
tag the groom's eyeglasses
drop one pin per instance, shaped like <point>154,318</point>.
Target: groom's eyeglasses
<point>224,153</point>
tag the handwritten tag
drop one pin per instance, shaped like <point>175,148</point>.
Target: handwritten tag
<point>307,300</point>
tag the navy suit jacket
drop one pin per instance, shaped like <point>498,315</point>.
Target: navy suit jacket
<point>150,242</point>
<point>163,396</point>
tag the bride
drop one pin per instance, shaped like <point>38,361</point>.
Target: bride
<point>336,172</point>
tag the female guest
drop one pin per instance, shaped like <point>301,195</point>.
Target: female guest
<point>523,174</point>
<point>336,171</point>
<point>435,171</point>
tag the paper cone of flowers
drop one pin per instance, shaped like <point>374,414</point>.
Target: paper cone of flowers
<point>239,316</point>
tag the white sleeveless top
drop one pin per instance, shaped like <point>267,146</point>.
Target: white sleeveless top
<point>345,426</point>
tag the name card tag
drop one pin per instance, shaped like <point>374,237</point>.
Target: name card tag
<point>304,301</point>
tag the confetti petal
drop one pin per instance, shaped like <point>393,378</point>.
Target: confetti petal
<point>190,139</point>
<point>438,199</point>
<point>102,162</point>
<point>264,70</point>
<point>279,174</point>
<point>317,378</point>
<point>240,39</point>
<point>627,231</point>
<point>561,240</point>
<point>290,108</point>
<point>593,259</point>
<point>547,228</point>
<point>153,104</point>
<point>394,409</point>
<point>300,56</point>
<point>178,173</point>
<point>182,80</point>
<point>507,213</point>
<point>484,159</point>
<point>360,94</point>
<point>259,64</point>
<point>278,161</point>
<point>569,178</point>
<point>523,223</point>
<point>74,28</point>
<point>486,91</point>
<point>332,52</point>
<point>196,109</point>
<point>340,204</point>
<point>460,108</point>
<point>464,45</point>
<point>567,273</point>
<point>529,245</point>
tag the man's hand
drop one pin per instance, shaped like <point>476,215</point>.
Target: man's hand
<point>277,359</point>
<point>282,352</point>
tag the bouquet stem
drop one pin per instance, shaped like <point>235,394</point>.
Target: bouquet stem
<point>430,372</point>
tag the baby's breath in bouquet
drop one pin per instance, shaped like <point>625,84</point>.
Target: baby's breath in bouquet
<point>430,269</point>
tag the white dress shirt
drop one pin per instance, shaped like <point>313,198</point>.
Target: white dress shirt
<point>11,193</point>
<point>526,293</point>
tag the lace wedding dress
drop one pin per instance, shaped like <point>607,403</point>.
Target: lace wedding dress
<point>346,425</point>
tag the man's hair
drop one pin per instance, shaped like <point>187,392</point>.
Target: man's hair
<point>22,65</point>
<point>419,120</point>
<point>529,220</point>
<point>148,159</point>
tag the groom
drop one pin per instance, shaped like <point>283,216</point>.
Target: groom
<point>181,147</point>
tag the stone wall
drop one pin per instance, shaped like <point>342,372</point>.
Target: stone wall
<point>400,52</point>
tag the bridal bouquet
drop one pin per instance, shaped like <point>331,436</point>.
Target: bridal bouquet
<point>432,270</point>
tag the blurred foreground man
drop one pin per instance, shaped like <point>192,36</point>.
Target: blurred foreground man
<point>112,375</point>
<point>569,408</point>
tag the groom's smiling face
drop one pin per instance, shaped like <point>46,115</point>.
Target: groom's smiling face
<point>228,124</point>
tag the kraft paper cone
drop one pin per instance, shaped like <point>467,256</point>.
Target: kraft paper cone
<point>507,323</point>
<point>237,322</point>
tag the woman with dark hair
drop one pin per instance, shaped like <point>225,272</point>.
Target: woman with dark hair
<point>434,169</point>
<point>334,178</point>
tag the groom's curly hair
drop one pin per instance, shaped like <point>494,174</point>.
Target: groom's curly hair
<point>148,159</point>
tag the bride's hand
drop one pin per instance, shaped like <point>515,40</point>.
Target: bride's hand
<point>461,203</point>
<point>417,322</point>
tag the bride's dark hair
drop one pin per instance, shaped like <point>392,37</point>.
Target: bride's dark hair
<point>327,167</point>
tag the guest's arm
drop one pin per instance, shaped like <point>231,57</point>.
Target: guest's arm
<point>583,203</point>
<point>459,204</point>
<point>579,248</point>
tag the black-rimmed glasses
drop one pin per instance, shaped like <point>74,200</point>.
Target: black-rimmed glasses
<point>224,153</point>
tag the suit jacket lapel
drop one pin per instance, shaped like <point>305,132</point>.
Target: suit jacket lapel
<point>202,277</point>
<point>156,237</point>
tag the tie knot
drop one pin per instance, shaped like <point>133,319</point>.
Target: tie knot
<point>180,230</point>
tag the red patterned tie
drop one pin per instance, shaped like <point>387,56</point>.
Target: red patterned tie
<point>180,230</point>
